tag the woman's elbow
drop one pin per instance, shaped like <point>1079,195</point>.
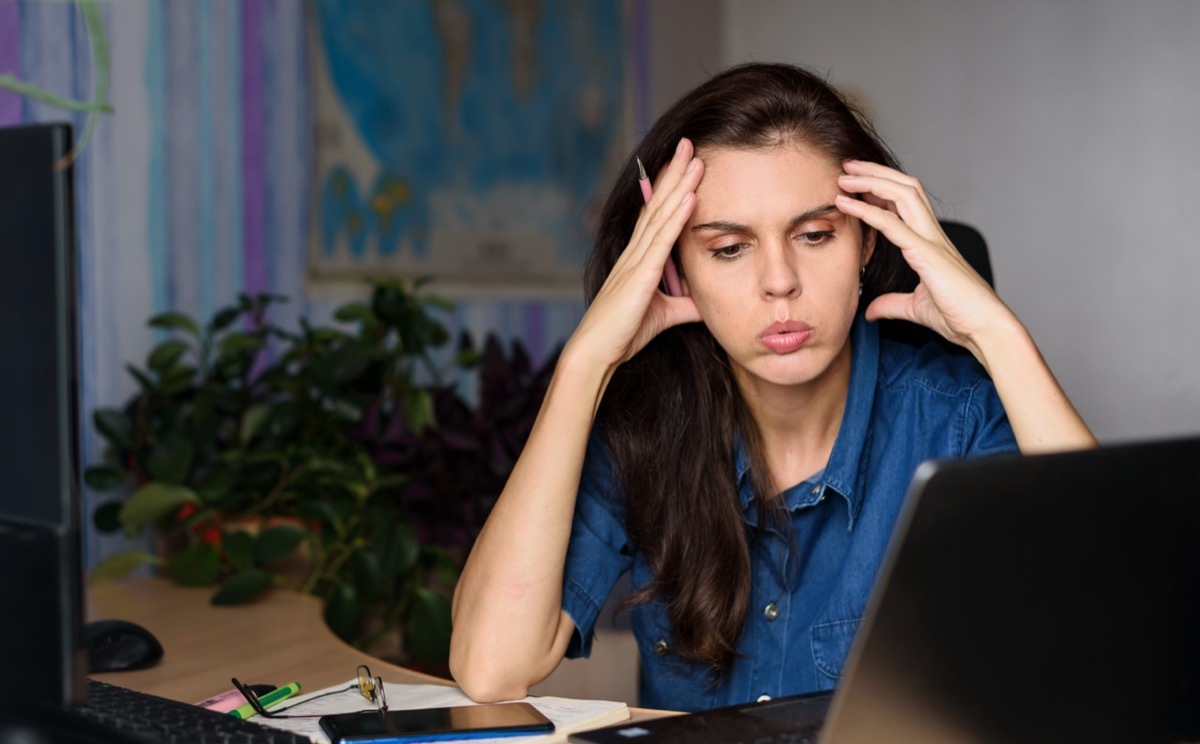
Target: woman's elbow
<point>485,683</point>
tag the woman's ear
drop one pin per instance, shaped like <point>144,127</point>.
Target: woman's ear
<point>868,245</point>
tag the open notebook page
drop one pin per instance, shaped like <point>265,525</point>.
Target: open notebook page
<point>568,714</point>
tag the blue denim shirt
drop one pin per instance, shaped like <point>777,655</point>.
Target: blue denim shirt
<point>904,405</point>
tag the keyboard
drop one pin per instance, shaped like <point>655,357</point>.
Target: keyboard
<point>114,713</point>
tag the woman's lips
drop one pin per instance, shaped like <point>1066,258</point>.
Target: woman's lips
<point>784,337</point>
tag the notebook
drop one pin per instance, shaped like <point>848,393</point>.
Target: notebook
<point>1049,598</point>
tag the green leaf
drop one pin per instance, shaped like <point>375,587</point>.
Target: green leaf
<point>348,361</point>
<point>115,426</point>
<point>346,410</point>
<point>178,378</point>
<point>177,321</point>
<point>171,460</point>
<point>164,356</point>
<point>284,418</point>
<point>235,342</point>
<point>239,548</point>
<point>103,478</point>
<point>224,318</point>
<point>427,632</point>
<point>354,311</point>
<point>107,517</point>
<point>468,358</point>
<point>401,552</point>
<point>343,612</point>
<point>199,565</point>
<point>278,542</point>
<point>252,421</point>
<point>142,380</point>
<point>319,508</point>
<point>364,567</point>
<point>442,563</point>
<point>242,587</point>
<point>121,563</point>
<point>217,483</point>
<point>154,501</point>
<point>418,409</point>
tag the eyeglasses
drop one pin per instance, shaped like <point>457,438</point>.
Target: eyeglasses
<point>372,688</point>
<point>369,686</point>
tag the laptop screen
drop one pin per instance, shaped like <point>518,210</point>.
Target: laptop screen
<point>1051,598</point>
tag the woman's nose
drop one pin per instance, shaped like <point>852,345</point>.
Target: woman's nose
<point>779,275</point>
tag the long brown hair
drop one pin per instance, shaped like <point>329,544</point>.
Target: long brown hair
<point>671,416</point>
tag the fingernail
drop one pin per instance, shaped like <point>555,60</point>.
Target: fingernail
<point>679,147</point>
<point>691,166</point>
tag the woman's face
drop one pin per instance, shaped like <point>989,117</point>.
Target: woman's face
<point>772,265</point>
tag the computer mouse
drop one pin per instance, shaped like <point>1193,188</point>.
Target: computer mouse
<point>119,645</point>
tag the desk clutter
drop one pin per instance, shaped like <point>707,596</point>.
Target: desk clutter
<point>569,715</point>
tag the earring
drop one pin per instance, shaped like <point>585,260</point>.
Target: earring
<point>862,273</point>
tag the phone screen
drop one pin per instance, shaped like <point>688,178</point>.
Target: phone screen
<point>431,724</point>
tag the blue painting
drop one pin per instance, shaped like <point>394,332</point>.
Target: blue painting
<point>471,140</point>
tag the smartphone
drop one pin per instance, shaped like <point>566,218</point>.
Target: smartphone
<point>432,724</point>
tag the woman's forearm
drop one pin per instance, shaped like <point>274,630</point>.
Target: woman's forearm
<point>509,628</point>
<point>1041,415</point>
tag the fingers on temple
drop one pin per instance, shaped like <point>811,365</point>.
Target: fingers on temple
<point>884,220</point>
<point>659,231</point>
<point>907,200</point>
<point>665,196</point>
<point>875,170</point>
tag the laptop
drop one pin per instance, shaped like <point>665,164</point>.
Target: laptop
<point>1046,598</point>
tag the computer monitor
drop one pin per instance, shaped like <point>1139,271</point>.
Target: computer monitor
<point>41,595</point>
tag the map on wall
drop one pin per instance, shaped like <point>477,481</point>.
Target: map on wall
<point>471,140</point>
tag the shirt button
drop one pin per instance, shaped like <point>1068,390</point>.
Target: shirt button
<point>763,698</point>
<point>771,611</point>
<point>660,648</point>
<point>816,490</point>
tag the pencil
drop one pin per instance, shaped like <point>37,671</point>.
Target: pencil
<point>670,273</point>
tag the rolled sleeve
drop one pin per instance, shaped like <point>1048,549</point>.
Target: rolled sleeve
<point>599,550</point>
<point>989,431</point>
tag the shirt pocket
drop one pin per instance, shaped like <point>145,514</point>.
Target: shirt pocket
<point>669,681</point>
<point>831,643</point>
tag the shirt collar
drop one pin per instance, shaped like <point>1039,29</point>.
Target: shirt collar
<point>843,471</point>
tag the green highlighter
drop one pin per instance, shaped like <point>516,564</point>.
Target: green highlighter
<point>277,695</point>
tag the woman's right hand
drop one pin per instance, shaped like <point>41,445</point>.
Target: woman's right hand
<point>630,310</point>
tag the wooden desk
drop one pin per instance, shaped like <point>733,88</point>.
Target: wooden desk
<point>278,639</point>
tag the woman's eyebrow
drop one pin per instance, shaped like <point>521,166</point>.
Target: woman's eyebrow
<point>725,226</point>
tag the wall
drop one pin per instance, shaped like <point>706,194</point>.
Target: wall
<point>1065,131</point>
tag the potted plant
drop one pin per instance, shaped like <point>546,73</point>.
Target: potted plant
<point>339,461</point>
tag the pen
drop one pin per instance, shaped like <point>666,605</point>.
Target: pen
<point>670,273</point>
<point>277,695</point>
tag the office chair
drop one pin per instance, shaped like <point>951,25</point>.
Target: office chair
<point>973,247</point>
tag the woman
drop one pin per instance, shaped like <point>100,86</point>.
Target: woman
<point>743,448</point>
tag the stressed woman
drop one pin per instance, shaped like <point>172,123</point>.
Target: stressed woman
<point>743,448</point>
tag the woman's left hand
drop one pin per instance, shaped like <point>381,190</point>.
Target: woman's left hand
<point>951,297</point>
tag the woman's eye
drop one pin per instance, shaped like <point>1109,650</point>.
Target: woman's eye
<point>815,238</point>
<point>729,252</point>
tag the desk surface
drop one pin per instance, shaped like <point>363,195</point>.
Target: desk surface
<point>278,639</point>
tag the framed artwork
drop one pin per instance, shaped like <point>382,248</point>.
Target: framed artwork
<point>470,140</point>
